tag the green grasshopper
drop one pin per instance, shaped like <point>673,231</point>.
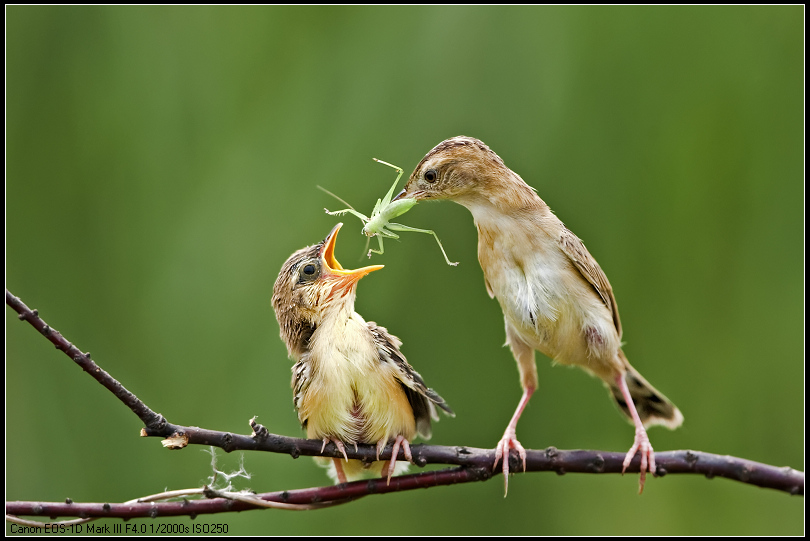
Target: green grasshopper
<point>379,224</point>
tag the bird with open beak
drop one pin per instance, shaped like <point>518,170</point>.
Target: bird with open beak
<point>351,384</point>
<point>554,296</point>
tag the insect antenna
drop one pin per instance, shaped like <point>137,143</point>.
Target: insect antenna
<point>365,250</point>
<point>336,197</point>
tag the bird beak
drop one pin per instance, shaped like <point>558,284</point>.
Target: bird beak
<point>400,194</point>
<point>418,195</point>
<point>335,269</point>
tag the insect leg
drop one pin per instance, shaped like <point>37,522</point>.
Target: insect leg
<point>344,211</point>
<point>400,227</point>
<point>383,232</point>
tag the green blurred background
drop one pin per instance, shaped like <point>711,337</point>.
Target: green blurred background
<point>162,164</point>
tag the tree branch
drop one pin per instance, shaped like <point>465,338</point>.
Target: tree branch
<point>149,417</point>
<point>302,497</point>
<point>475,464</point>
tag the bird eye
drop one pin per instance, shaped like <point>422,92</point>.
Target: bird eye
<point>308,271</point>
<point>431,175</point>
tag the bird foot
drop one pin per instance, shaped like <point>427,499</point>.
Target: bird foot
<point>642,445</point>
<point>391,465</point>
<point>508,441</point>
<point>338,444</point>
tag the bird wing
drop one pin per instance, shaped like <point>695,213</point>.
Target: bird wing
<point>591,271</point>
<point>422,399</point>
<point>300,382</point>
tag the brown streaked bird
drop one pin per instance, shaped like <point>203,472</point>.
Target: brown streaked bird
<point>554,296</point>
<point>351,384</point>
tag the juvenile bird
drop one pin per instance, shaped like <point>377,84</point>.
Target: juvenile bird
<point>554,296</point>
<point>351,384</point>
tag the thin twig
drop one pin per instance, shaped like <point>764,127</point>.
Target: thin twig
<point>317,497</point>
<point>150,418</point>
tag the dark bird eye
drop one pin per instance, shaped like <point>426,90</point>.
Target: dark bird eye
<point>431,175</point>
<point>308,271</point>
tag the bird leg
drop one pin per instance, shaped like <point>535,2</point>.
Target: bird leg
<point>341,475</point>
<point>641,443</point>
<point>391,465</point>
<point>509,441</point>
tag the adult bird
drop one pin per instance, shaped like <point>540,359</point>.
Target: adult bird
<point>351,384</point>
<point>554,296</point>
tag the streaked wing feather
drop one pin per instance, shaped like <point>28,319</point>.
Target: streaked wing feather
<point>591,271</point>
<point>300,381</point>
<point>423,400</point>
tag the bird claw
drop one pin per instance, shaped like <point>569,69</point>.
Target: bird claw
<point>642,445</point>
<point>509,441</point>
<point>400,441</point>
<point>338,444</point>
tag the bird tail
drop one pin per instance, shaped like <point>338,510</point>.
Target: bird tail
<point>653,407</point>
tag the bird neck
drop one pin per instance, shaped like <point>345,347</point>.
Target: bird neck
<point>341,337</point>
<point>504,198</point>
<point>338,313</point>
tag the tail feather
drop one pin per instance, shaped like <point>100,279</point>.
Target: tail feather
<point>653,407</point>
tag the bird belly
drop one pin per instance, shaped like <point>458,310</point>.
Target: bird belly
<point>352,396</point>
<point>552,308</point>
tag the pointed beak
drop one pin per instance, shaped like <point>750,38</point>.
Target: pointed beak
<point>400,194</point>
<point>335,269</point>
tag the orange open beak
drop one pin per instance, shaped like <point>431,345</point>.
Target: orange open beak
<point>335,269</point>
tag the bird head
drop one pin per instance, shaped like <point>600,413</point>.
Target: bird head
<point>465,170</point>
<point>461,168</point>
<point>311,284</point>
